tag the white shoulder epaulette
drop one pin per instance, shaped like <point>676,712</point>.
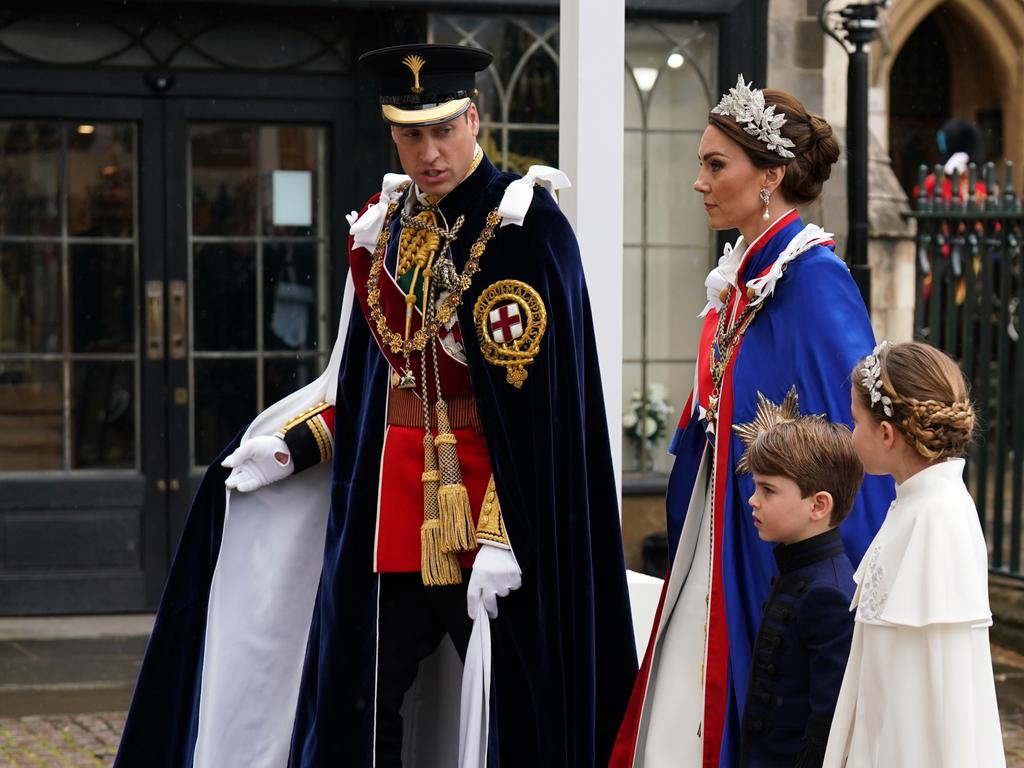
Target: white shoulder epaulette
<point>519,194</point>
<point>365,229</point>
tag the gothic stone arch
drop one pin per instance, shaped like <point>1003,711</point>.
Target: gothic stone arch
<point>996,25</point>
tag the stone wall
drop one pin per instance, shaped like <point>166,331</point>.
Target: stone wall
<point>804,61</point>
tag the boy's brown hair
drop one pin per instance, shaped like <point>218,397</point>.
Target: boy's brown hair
<point>814,453</point>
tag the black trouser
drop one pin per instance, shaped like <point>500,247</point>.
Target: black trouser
<point>412,621</point>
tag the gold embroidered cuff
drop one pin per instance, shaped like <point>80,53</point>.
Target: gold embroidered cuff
<point>490,527</point>
<point>308,437</point>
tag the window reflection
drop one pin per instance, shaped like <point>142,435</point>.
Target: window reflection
<point>297,149</point>
<point>102,297</point>
<point>225,401</point>
<point>30,299</point>
<point>289,288</point>
<point>257,325</point>
<point>31,416</point>
<point>101,160</point>
<point>224,291</point>
<point>30,173</point>
<point>223,165</point>
<point>284,376</point>
<point>103,415</point>
<point>68,294</point>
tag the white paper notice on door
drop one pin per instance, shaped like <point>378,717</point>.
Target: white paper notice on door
<point>293,198</point>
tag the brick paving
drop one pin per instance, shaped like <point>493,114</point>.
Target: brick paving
<point>60,741</point>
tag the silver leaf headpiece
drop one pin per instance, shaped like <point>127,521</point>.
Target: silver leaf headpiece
<point>745,105</point>
<point>871,378</point>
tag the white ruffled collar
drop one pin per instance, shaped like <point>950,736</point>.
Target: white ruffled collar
<point>725,274</point>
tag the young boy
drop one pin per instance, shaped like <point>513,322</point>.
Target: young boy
<point>806,475</point>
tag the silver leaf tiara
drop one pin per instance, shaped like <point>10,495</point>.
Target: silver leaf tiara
<point>871,378</point>
<point>745,105</point>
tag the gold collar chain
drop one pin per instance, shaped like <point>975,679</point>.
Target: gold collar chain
<point>722,347</point>
<point>418,341</point>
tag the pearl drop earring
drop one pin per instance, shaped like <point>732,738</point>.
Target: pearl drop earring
<point>765,197</point>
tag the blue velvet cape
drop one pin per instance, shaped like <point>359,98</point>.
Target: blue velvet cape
<point>810,333</point>
<point>563,652</point>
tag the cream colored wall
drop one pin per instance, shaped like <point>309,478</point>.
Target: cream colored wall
<point>804,61</point>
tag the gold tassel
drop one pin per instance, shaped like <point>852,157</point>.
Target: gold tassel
<point>437,567</point>
<point>458,533</point>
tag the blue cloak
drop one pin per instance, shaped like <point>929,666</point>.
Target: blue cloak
<point>809,334</point>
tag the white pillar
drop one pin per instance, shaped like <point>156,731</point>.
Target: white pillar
<point>590,151</point>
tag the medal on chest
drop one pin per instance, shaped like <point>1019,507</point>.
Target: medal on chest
<point>724,343</point>
<point>424,266</point>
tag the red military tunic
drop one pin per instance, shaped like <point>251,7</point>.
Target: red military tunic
<point>397,546</point>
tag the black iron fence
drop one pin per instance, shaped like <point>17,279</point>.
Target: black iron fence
<point>969,302</point>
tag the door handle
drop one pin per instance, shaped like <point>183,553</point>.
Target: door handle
<point>177,319</point>
<point>154,319</point>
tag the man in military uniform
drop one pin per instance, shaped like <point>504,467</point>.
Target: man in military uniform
<point>460,432</point>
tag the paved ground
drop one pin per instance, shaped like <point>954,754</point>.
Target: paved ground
<point>62,700</point>
<point>60,740</point>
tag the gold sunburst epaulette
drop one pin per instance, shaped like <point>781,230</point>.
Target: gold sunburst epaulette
<point>309,436</point>
<point>766,416</point>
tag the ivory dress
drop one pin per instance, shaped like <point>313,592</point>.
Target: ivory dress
<point>918,690</point>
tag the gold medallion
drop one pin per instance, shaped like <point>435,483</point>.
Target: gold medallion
<point>510,320</point>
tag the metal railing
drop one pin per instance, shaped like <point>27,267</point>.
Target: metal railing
<point>969,300</point>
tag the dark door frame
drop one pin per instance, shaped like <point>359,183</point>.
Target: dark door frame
<point>337,118</point>
<point>333,102</point>
<point>53,494</point>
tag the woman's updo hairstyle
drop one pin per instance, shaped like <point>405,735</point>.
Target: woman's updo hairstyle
<point>927,394</point>
<point>814,147</point>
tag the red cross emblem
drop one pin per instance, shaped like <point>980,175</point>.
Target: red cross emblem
<point>506,324</point>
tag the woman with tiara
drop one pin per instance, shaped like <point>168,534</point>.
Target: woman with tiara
<point>782,312</point>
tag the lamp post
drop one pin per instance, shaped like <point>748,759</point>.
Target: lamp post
<point>858,23</point>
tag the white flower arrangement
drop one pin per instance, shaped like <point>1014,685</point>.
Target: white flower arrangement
<point>645,421</point>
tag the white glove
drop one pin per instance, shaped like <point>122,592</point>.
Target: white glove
<point>254,463</point>
<point>495,574</point>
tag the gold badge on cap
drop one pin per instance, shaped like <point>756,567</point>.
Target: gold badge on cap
<point>510,321</point>
<point>415,63</point>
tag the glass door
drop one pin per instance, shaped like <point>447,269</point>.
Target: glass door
<point>250,251</point>
<point>165,274</point>
<point>257,266</point>
<point>78,435</point>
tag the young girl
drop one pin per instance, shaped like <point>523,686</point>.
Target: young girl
<point>918,688</point>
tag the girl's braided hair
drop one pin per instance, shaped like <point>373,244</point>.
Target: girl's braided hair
<point>927,395</point>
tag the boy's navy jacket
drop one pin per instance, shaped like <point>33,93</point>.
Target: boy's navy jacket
<point>799,656</point>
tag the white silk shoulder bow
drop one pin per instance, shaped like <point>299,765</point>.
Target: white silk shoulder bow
<point>365,229</point>
<point>723,275</point>
<point>519,194</point>
<point>762,287</point>
<point>807,238</point>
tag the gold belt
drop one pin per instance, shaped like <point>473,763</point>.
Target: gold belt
<point>405,409</point>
